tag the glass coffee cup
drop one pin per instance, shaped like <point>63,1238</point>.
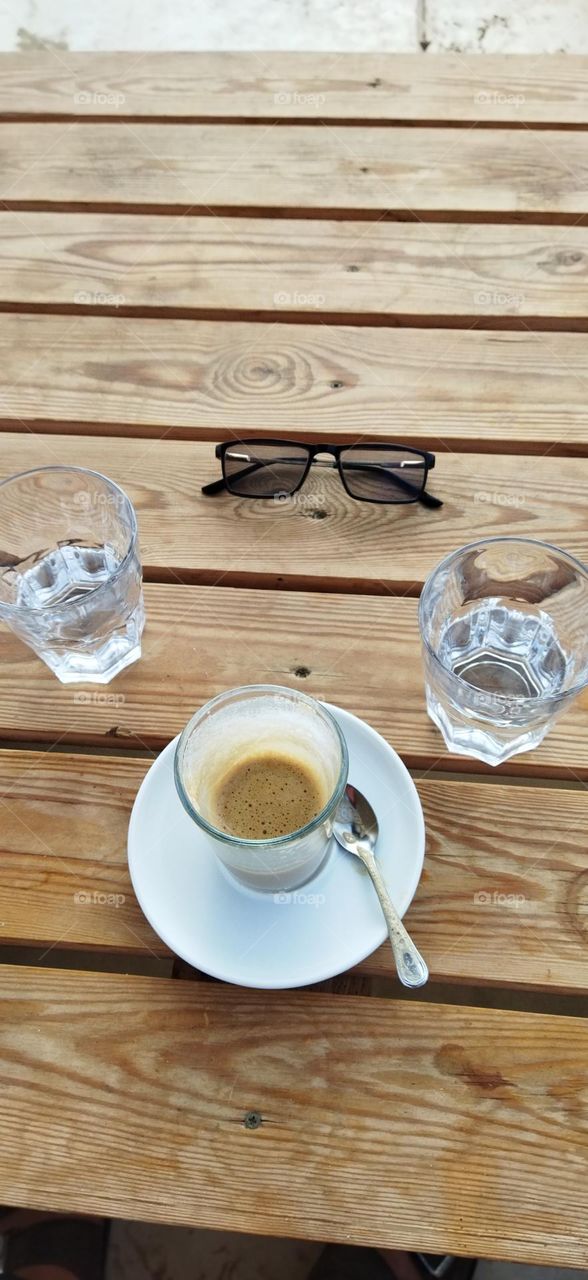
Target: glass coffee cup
<point>262,754</point>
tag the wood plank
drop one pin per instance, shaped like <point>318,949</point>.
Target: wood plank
<point>358,651</point>
<point>264,85</point>
<point>480,1109</point>
<point>509,911</point>
<point>63,879</point>
<point>417,273</point>
<point>306,541</point>
<point>175,378</point>
<point>504,893</point>
<point>394,172</point>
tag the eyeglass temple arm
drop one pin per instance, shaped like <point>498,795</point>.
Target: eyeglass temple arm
<point>429,500</point>
<point>426,499</point>
<point>216,486</point>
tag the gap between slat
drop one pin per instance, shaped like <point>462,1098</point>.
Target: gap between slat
<point>152,431</point>
<point>415,763</point>
<point>351,214</point>
<point>389,122</point>
<point>363,319</point>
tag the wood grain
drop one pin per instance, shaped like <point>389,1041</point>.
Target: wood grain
<point>449,273</point>
<point>268,85</point>
<point>504,893</point>
<point>466,1128</point>
<point>395,172</point>
<point>512,910</point>
<point>63,877</point>
<point>320,538</point>
<point>361,652</point>
<point>505,391</point>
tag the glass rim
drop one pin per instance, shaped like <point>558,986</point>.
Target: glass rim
<point>94,591</point>
<point>502,699</point>
<point>224,836</point>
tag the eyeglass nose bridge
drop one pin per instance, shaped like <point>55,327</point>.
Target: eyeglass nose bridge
<point>324,455</point>
<point>329,463</point>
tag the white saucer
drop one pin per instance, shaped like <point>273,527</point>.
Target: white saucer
<point>258,939</point>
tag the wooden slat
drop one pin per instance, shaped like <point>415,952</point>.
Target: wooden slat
<point>358,651</point>
<point>487,910</point>
<point>397,172</point>
<point>153,377</point>
<point>449,273</point>
<point>466,1128</point>
<point>504,893</point>
<point>306,541</point>
<point>63,867</point>
<point>264,85</point>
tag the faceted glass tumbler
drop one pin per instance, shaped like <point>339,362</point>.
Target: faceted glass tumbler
<point>70,573</point>
<point>504,628</point>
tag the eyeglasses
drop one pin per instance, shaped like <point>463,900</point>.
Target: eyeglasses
<point>369,472</point>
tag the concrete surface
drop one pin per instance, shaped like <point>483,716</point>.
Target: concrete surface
<point>469,26</point>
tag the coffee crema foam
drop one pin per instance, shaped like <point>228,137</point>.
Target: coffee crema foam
<point>267,795</point>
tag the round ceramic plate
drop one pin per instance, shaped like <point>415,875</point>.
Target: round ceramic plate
<point>289,939</point>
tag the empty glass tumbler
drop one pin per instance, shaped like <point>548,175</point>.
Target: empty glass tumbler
<point>504,627</point>
<point>70,574</point>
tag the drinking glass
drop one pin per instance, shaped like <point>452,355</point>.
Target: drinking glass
<point>504,628</point>
<point>248,721</point>
<point>70,574</point>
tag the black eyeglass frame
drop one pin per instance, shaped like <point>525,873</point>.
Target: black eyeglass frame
<point>335,451</point>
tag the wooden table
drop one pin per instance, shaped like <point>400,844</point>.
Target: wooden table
<point>194,247</point>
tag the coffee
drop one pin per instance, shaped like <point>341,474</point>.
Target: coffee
<point>267,795</point>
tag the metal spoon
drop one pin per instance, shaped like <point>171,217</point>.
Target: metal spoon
<point>356,830</point>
